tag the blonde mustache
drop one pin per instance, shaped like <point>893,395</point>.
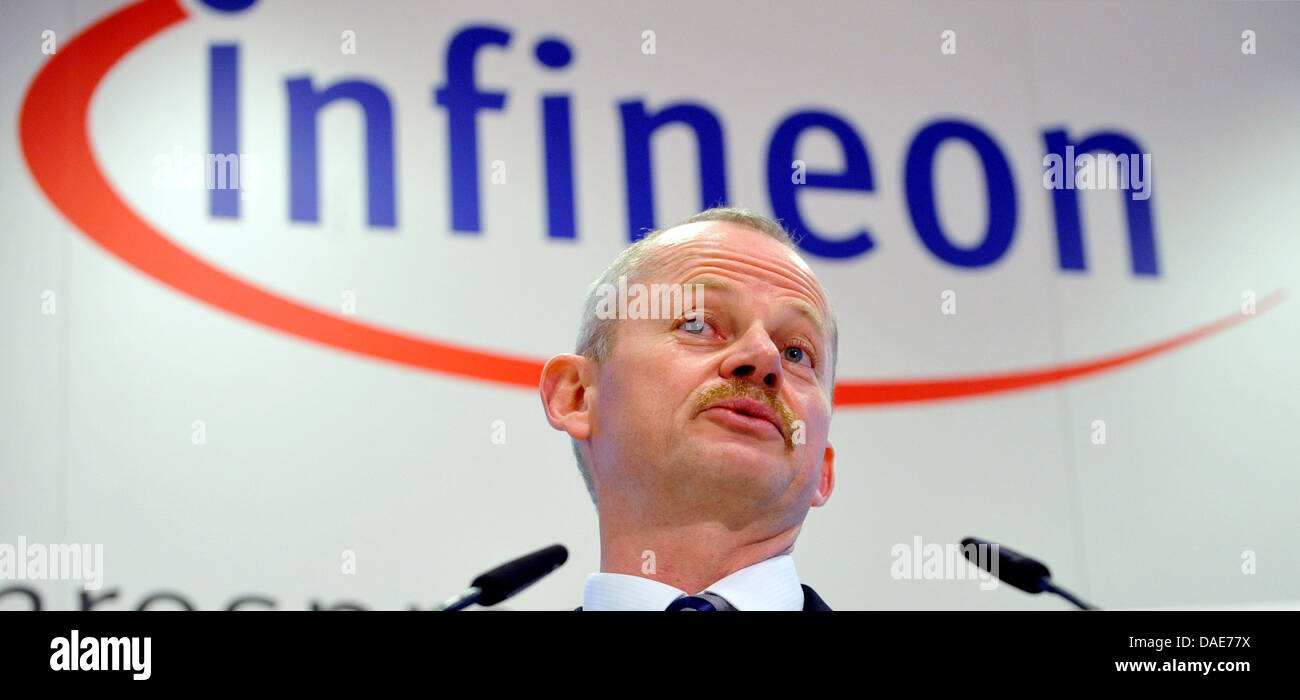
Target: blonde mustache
<point>739,388</point>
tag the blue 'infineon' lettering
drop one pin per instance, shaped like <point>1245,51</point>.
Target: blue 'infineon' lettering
<point>461,98</point>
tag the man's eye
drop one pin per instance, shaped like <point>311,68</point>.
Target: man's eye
<point>694,325</point>
<point>794,353</point>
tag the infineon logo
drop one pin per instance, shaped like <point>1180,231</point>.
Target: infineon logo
<point>55,140</point>
<point>463,102</point>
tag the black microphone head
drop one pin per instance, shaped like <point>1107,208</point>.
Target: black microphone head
<point>1010,566</point>
<point>514,576</point>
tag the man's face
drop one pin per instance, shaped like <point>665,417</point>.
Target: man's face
<point>757,339</point>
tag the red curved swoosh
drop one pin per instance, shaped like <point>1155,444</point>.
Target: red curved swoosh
<point>56,145</point>
<point>909,390</point>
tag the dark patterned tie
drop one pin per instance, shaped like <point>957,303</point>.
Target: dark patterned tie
<point>703,602</point>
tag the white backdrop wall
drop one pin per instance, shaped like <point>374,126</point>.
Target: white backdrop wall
<point>310,451</point>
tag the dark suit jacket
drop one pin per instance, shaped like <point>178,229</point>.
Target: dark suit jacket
<point>811,601</point>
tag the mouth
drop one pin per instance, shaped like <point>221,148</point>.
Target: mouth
<point>752,414</point>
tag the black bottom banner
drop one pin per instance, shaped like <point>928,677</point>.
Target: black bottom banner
<point>990,649</point>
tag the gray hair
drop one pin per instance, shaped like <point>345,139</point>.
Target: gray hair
<point>596,334</point>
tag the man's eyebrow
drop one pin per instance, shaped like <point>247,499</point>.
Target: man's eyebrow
<point>802,307</point>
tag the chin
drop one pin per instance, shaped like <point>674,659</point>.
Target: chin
<point>747,455</point>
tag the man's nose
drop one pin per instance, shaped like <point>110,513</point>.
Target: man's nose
<point>754,357</point>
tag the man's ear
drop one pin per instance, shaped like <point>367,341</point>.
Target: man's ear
<point>566,397</point>
<point>827,483</point>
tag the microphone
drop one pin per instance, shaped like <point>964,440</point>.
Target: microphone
<point>1012,567</point>
<point>508,579</point>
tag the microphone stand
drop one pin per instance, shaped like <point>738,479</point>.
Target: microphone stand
<point>1045,584</point>
<point>462,601</point>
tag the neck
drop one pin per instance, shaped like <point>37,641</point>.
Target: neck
<point>687,555</point>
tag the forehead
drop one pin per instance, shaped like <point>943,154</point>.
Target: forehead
<point>735,251</point>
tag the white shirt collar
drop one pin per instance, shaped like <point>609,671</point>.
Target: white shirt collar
<point>772,584</point>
